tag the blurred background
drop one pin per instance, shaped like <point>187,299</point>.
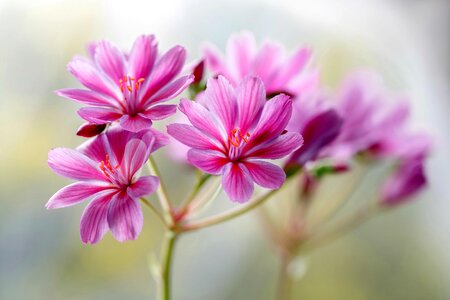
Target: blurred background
<point>404,254</point>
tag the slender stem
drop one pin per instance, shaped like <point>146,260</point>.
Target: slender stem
<point>228,215</point>
<point>162,193</point>
<point>201,181</point>
<point>359,216</point>
<point>154,210</point>
<point>285,280</point>
<point>166,265</point>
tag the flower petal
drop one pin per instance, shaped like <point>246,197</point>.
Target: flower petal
<point>170,91</point>
<point>142,56</point>
<point>251,97</point>
<point>160,112</point>
<point>145,185</point>
<point>240,51</point>
<point>277,148</point>
<point>237,182</point>
<point>191,136</point>
<point>75,193</point>
<point>110,59</point>
<point>215,61</point>
<point>166,68</point>
<point>125,218</point>
<point>94,224</point>
<point>135,155</point>
<point>221,100</point>
<point>87,97</point>
<point>202,119</point>
<point>209,161</point>
<point>72,164</point>
<point>274,118</point>
<point>266,174</point>
<point>99,115</point>
<point>293,66</point>
<point>136,123</point>
<point>92,78</point>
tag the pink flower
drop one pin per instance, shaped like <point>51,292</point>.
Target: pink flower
<point>233,130</point>
<point>375,121</point>
<point>406,181</point>
<point>106,168</point>
<point>279,72</point>
<point>128,88</point>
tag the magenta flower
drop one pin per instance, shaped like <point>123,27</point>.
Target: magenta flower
<point>233,129</point>
<point>279,72</point>
<point>106,168</point>
<point>406,181</point>
<point>128,88</point>
<point>375,121</point>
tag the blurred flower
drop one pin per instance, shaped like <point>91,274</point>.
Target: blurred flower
<point>106,168</point>
<point>279,72</point>
<point>128,87</point>
<point>233,129</point>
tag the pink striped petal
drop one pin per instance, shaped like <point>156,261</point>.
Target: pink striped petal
<point>99,115</point>
<point>221,100</point>
<point>294,66</point>
<point>145,185</point>
<point>237,182</point>
<point>72,164</point>
<point>266,61</point>
<point>125,218</point>
<point>215,61</point>
<point>94,224</point>
<point>87,97</point>
<point>240,51</point>
<point>202,119</point>
<point>191,136</point>
<point>136,123</point>
<point>251,97</point>
<point>110,60</point>
<point>171,90</point>
<point>166,68</point>
<point>277,148</point>
<point>142,56</point>
<point>91,78</point>
<point>75,193</point>
<point>274,118</point>
<point>266,174</point>
<point>135,155</point>
<point>160,112</point>
<point>209,161</point>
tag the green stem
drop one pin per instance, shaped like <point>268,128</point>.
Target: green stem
<point>154,210</point>
<point>162,194</point>
<point>201,181</point>
<point>166,265</point>
<point>228,215</point>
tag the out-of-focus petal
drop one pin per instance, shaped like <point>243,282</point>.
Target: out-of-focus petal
<point>240,51</point>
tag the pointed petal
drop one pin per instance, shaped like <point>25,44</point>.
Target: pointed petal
<point>215,61</point>
<point>274,118</point>
<point>293,66</point>
<point>171,90</point>
<point>75,193</point>
<point>202,119</point>
<point>240,51</point>
<point>110,59</point>
<point>87,97</point>
<point>136,123</point>
<point>145,185</point>
<point>125,218</point>
<point>160,112</point>
<point>266,61</point>
<point>72,164</point>
<point>209,161</point>
<point>266,174</point>
<point>135,155</point>
<point>283,145</point>
<point>92,78</point>
<point>237,182</point>
<point>142,56</point>
<point>99,115</point>
<point>166,68</point>
<point>251,97</point>
<point>94,224</point>
<point>221,100</point>
<point>191,136</point>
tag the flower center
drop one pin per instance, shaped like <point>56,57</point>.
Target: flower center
<point>109,171</point>
<point>129,87</point>
<point>236,136</point>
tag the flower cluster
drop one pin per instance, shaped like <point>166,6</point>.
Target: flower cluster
<point>258,104</point>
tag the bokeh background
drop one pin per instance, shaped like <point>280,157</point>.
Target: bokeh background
<point>404,254</point>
